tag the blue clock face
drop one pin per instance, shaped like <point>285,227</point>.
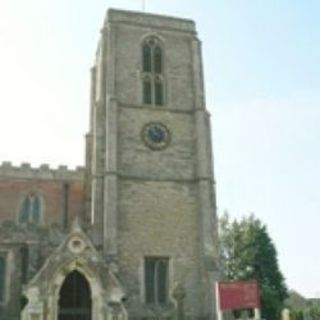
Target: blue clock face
<point>156,136</point>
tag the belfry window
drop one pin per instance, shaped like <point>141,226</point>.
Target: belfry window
<point>147,57</point>
<point>30,210</point>
<point>158,91</point>
<point>2,278</point>
<point>152,65</point>
<point>156,280</point>
<point>157,56</point>
<point>147,90</point>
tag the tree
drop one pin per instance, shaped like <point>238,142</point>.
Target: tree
<point>247,252</point>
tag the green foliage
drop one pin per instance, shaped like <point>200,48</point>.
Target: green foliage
<point>247,252</point>
<point>296,315</point>
<point>310,313</point>
<point>313,313</point>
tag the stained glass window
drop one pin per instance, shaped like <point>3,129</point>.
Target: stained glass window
<point>30,210</point>
<point>24,211</point>
<point>146,58</point>
<point>147,91</point>
<point>2,277</point>
<point>157,60</point>
<point>158,88</point>
<point>152,66</point>
<point>35,210</point>
<point>156,280</point>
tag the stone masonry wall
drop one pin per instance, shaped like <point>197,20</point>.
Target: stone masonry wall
<point>158,219</point>
<point>158,206</point>
<point>177,161</point>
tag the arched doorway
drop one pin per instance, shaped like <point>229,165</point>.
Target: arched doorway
<point>75,298</point>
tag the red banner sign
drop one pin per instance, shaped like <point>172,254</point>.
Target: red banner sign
<point>238,295</point>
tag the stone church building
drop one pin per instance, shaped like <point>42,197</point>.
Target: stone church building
<point>133,234</point>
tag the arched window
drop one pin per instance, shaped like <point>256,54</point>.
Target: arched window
<point>156,280</point>
<point>152,67</point>
<point>147,90</point>
<point>146,57</point>
<point>30,210</point>
<point>157,59</point>
<point>2,277</point>
<point>158,91</point>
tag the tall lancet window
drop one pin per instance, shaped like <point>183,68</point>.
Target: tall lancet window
<point>2,277</point>
<point>156,280</point>
<point>152,68</point>
<point>30,210</point>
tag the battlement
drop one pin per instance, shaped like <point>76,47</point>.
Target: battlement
<point>43,172</point>
<point>150,20</point>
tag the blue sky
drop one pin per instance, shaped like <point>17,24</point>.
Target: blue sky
<point>262,69</point>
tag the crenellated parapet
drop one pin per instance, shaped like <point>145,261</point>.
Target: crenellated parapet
<point>43,172</point>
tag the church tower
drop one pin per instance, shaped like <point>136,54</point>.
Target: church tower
<point>149,164</point>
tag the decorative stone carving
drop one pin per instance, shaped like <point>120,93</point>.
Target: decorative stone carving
<point>35,307</point>
<point>179,293</point>
<point>76,252</point>
<point>76,245</point>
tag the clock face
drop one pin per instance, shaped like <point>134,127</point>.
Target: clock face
<point>156,136</point>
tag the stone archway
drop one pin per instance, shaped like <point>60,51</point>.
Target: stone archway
<point>75,266</point>
<point>75,298</point>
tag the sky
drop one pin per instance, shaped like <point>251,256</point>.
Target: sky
<point>262,77</point>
